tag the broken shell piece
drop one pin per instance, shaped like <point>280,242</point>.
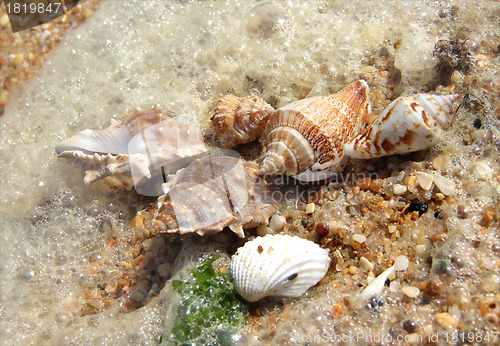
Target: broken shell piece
<point>148,144</point>
<point>424,180</point>
<point>211,193</point>
<point>278,266</point>
<point>239,120</point>
<point>445,185</point>
<point>408,124</point>
<point>374,288</point>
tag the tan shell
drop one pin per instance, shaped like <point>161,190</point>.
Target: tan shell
<point>211,193</point>
<point>239,120</point>
<point>408,124</point>
<point>306,138</point>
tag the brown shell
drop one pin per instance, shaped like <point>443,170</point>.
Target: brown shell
<point>212,193</point>
<point>239,120</point>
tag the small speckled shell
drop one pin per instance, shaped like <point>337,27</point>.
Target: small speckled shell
<point>238,120</point>
<point>211,193</point>
<point>408,124</point>
<point>306,138</point>
<point>134,150</point>
<point>278,266</point>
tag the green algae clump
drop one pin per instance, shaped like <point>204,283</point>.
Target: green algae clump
<point>209,312</point>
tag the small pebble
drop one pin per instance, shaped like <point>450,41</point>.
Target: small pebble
<point>394,286</point>
<point>441,162</point>
<point>18,58</point>
<point>401,175</point>
<point>310,208</point>
<point>481,171</point>
<point>477,123</point>
<point>365,264</point>
<point>322,230</point>
<point>420,207</point>
<point>277,223</point>
<point>148,244</point>
<point>447,321</point>
<point>433,287</point>
<point>263,230</point>
<point>399,189</point>
<point>412,181</point>
<point>491,283</point>
<point>424,180</point>
<point>438,236</point>
<point>445,185</point>
<point>4,20</point>
<point>420,249</point>
<point>410,291</point>
<point>410,326</point>
<point>392,228</point>
<point>481,135</point>
<point>363,184</point>
<point>359,238</point>
<point>462,212</point>
<point>401,263</point>
<point>352,270</point>
<point>438,215</point>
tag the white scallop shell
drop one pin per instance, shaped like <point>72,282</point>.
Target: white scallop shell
<point>278,266</point>
<point>211,193</point>
<point>146,145</point>
<point>408,124</point>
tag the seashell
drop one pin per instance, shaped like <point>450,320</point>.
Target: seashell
<point>306,138</point>
<point>374,288</point>
<point>148,144</point>
<point>238,120</point>
<point>408,124</point>
<point>211,193</point>
<point>278,266</point>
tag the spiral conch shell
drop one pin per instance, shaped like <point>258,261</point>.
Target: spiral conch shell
<point>213,192</point>
<point>306,138</point>
<point>278,266</point>
<point>146,145</point>
<point>239,120</point>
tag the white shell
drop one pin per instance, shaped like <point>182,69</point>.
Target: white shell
<point>408,124</point>
<point>374,288</point>
<point>278,266</point>
<point>211,193</point>
<point>147,145</point>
